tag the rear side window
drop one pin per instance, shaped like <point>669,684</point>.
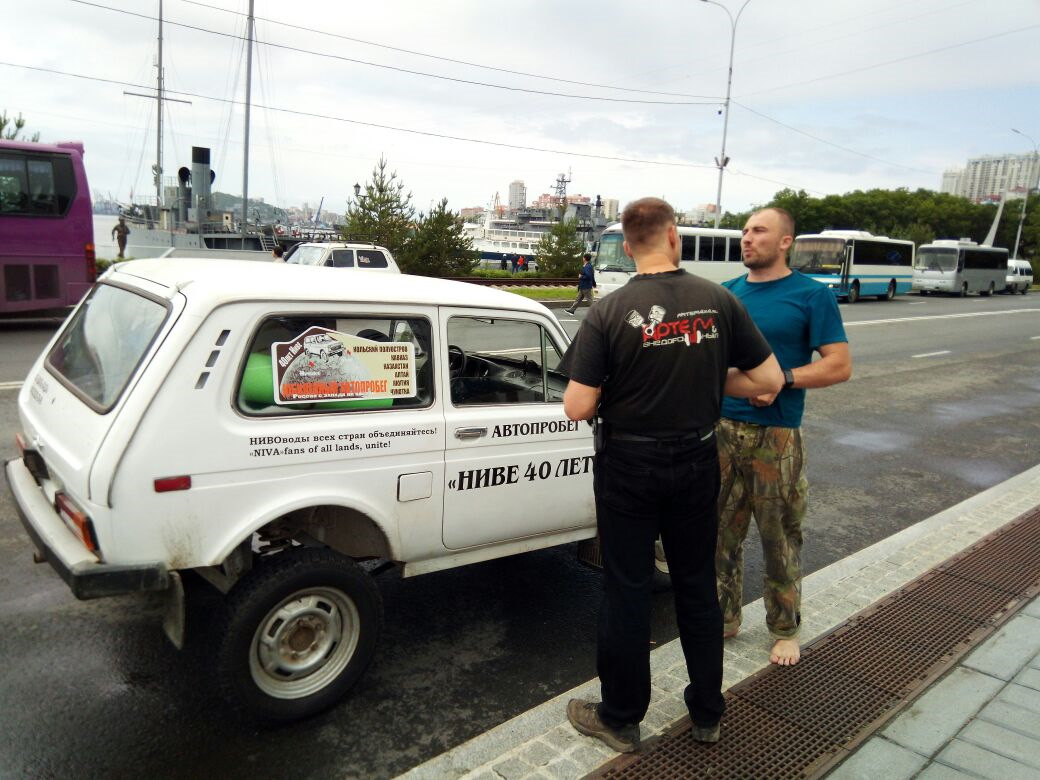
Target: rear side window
<point>330,363</point>
<point>36,185</point>
<point>102,346</point>
<point>371,258</point>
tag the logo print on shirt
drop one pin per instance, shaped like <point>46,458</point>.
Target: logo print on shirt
<point>689,328</point>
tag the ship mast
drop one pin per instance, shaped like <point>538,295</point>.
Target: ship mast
<point>157,170</point>
<point>245,152</point>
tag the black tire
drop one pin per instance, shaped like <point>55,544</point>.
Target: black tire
<point>854,292</point>
<point>890,293</point>
<point>1025,289</point>
<point>964,290</point>
<point>301,595</point>
<point>324,356</point>
<point>988,292</point>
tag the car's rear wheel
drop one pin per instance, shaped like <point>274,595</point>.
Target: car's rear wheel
<point>854,292</point>
<point>297,633</point>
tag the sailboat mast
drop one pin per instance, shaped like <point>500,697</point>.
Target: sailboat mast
<point>158,122</point>
<point>245,151</point>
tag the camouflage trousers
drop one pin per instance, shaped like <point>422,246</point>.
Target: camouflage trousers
<point>763,474</point>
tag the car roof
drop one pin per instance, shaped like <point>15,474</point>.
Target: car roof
<point>210,283</point>
<point>341,244</point>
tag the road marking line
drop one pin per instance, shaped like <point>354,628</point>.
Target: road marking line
<point>941,317</point>
<point>931,354</point>
<point>10,385</point>
<point>1034,338</point>
<point>916,303</point>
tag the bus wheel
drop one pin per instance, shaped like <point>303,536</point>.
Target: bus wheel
<point>1025,289</point>
<point>854,292</point>
<point>964,290</point>
<point>298,631</point>
<point>989,291</point>
<point>890,293</point>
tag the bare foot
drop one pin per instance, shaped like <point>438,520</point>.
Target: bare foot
<point>785,652</point>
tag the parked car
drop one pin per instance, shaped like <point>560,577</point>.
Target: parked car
<point>362,257</point>
<point>1019,276</point>
<point>178,422</point>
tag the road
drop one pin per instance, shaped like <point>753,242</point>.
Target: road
<point>941,405</point>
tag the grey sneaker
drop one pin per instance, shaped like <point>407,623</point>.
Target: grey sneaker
<point>705,733</point>
<point>585,719</point>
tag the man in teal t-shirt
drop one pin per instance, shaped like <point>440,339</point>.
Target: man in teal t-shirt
<point>760,441</point>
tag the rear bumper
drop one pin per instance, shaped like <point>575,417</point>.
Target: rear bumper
<point>86,577</point>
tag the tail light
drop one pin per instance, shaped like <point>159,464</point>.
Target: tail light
<point>77,521</point>
<point>91,258</point>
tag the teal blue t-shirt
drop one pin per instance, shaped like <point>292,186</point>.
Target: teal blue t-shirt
<point>797,315</point>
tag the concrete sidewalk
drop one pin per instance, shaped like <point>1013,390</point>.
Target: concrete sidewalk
<point>991,695</point>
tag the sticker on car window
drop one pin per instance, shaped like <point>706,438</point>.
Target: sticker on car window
<point>326,365</point>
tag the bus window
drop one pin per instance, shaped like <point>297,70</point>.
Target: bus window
<point>735,255</point>
<point>689,248</point>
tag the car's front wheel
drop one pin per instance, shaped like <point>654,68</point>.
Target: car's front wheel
<point>297,633</point>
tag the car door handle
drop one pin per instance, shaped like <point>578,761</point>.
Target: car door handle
<point>470,433</point>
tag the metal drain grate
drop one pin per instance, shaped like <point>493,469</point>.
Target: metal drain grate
<point>802,720</point>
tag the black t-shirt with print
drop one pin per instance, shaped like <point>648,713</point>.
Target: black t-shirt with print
<point>660,347</point>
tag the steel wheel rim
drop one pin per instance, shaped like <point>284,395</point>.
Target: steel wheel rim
<point>304,643</point>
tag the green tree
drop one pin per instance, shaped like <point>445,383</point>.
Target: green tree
<point>560,250</point>
<point>439,246</point>
<point>10,128</point>
<point>383,214</point>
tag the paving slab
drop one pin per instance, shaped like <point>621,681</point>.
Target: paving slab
<point>979,762</point>
<point>1008,651</point>
<point>1011,717</point>
<point>1000,741</point>
<point>936,717</point>
<point>876,755</point>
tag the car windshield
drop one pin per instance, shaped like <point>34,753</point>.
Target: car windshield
<point>818,255</point>
<point>611,255</point>
<point>936,259</point>
<point>308,255</point>
<point>104,343</point>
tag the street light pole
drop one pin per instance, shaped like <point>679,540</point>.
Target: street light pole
<point>721,161</point>
<point>1025,200</point>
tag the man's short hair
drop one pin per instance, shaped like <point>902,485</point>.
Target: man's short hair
<point>643,219</point>
<point>786,220</point>
<point>278,251</point>
<point>586,256</point>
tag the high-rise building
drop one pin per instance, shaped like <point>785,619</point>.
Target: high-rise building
<point>987,178</point>
<point>517,195</point>
<point>609,207</point>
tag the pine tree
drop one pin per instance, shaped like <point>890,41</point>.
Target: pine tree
<point>383,214</point>
<point>11,127</point>
<point>560,250</point>
<point>439,247</point>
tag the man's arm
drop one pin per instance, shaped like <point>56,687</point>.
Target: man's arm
<point>833,367</point>
<point>580,401</point>
<point>763,379</point>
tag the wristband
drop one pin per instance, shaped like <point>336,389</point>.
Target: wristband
<point>788,378</point>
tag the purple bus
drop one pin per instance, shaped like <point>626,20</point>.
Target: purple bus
<point>46,227</point>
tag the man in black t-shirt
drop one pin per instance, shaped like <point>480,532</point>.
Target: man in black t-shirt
<point>653,361</point>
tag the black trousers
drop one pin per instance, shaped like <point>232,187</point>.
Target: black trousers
<point>644,489</point>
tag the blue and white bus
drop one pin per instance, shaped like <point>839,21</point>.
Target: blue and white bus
<point>854,263</point>
<point>707,252</point>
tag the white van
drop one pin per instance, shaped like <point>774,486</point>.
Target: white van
<point>362,257</point>
<point>181,421</point>
<point>1019,276</point>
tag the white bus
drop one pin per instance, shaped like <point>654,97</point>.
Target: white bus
<point>959,268</point>
<point>854,263</point>
<point>707,252</point>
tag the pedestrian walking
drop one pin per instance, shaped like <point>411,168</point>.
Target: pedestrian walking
<point>513,263</point>
<point>586,283</point>
<point>650,364</point>
<point>119,233</point>
<point>760,440</point>
<point>521,264</point>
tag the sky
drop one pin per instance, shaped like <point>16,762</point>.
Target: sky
<point>463,97</point>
